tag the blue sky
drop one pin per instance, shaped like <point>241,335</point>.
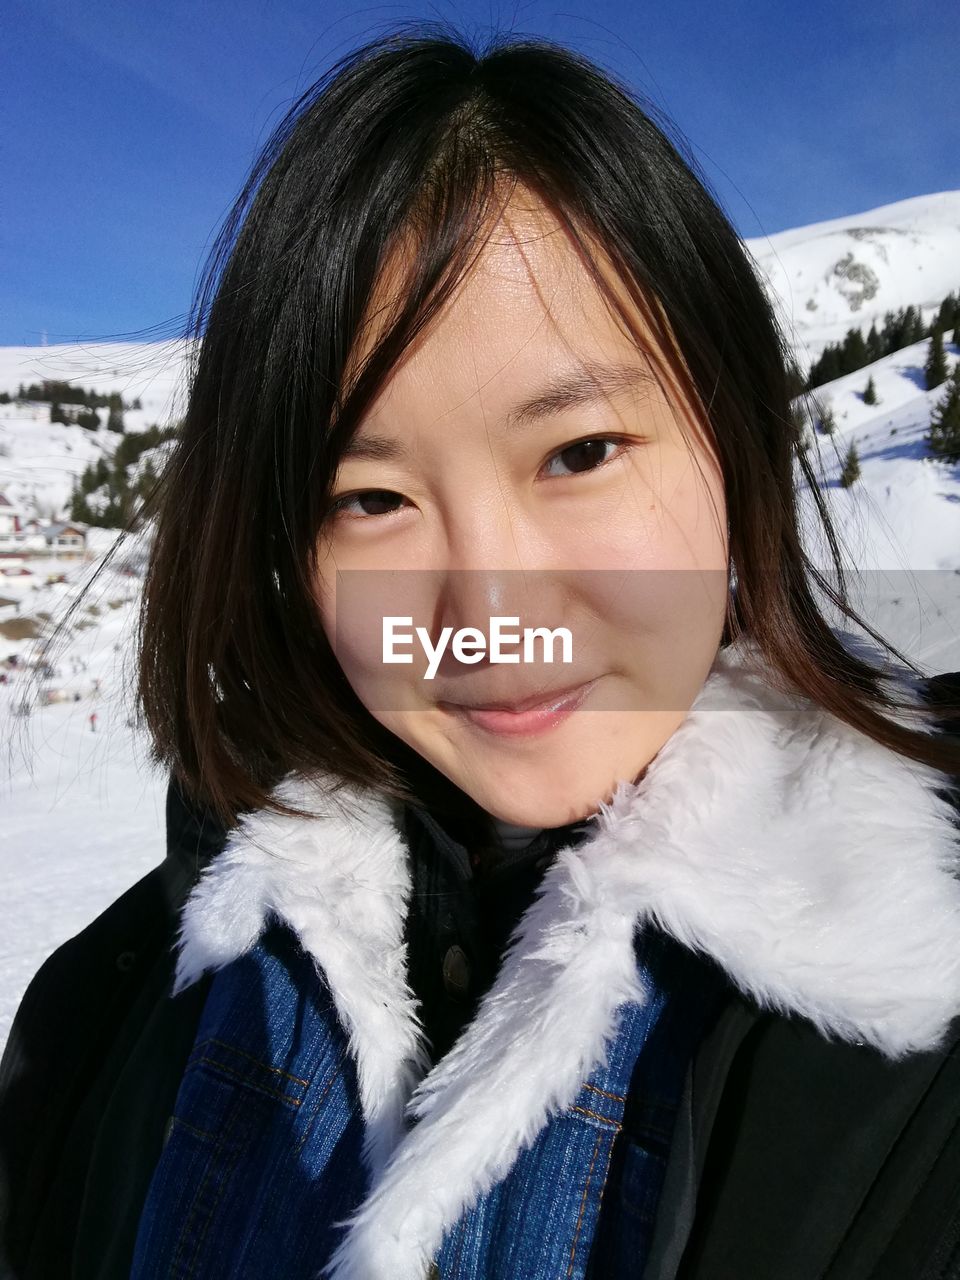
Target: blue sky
<point>129,127</point>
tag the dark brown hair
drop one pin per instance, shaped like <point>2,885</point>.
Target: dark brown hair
<point>415,137</point>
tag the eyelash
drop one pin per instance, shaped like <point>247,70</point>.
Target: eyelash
<point>338,506</point>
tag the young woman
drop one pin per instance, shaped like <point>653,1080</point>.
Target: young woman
<point>639,962</point>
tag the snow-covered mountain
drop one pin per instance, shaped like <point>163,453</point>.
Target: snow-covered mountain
<point>847,272</point>
<point>40,460</point>
<point>82,812</point>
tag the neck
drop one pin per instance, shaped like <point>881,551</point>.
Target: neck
<point>512,836</point>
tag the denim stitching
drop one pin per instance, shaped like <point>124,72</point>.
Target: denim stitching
<point>583,1202</point>
<point>278,1186</point>
<point>595,1115</point>
<point>227,1172</point>
<point>334,1073</point>
<point>181,1243</point>
<point>617,1097</point>
<point>242,1052</point>
<point>248,1080</point>
<point>201,1133</point>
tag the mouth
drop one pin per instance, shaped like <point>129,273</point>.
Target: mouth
<point>523,716</point>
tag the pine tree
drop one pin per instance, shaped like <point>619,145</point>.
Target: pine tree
<point>851,467</point>
<point>58,414</point>
<point>935,370</point>
<point>870,393</point>
<point>828,423</point>
<point>79,507</point>
<point>854,351</point>
<point>946,316</point>
<point>825,368</point>
<point>115,420</point>
<point>874,345</point>
<point>944,435</point>
<point>956,335</point>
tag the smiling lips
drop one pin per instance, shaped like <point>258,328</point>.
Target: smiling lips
<point>526,716</point>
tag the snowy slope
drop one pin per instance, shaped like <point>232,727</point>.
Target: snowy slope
<point>847,272</point>
<point>899,524</point>
<point>39,460</point>
<point>83,811</point>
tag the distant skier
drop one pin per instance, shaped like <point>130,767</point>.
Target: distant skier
<point>93,721</point>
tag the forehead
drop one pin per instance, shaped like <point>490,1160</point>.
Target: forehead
<point>527,308</point>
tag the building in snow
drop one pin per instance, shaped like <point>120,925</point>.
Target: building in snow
<point>21,535</point>
<point>67,540</point>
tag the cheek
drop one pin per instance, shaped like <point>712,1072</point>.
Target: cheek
<point>666,512</point>
<point>693,521</point>
<point>661,576</point>
<point>356,606</point>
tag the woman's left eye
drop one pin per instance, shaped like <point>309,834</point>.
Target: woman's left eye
<point>586,455</point>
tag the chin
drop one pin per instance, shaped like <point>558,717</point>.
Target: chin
<point>540,806</point>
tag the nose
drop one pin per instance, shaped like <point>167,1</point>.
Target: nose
<point>471,597</point>
<point>494,564</point>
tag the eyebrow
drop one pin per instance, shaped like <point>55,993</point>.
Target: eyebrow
<point>588,382</point>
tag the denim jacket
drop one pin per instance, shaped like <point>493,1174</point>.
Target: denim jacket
<point>263,1156</point>
<point>763,849</point>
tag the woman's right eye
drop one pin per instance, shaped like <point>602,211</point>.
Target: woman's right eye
<point>372,502</point>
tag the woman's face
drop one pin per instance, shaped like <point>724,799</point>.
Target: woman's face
<point>524,463</point>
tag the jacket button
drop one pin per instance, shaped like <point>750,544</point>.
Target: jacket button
<point>126,960</point>
<point>456,971</point>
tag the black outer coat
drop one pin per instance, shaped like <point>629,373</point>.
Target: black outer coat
<point>793,1157</point>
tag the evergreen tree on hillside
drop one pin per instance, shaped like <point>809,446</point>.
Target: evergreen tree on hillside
<point>58,414</point>
<point>111,490</point>
<point>949,313</point>
<point>870,392</point>
<point>115,420</point>
<point>825,368</point>
<point>80,508</point>
<point>854,351</point>
<point>956,335</point>
<point>917,331</point>
<point>935,370</point>
<point>943,437</point>
<point>896,334</point>
<point>874,345</point>
<point>828,423</point>
<point>851,467</point>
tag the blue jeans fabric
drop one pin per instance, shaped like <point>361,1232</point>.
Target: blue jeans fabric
<point>581,1201</point>
<point>264,1150</point>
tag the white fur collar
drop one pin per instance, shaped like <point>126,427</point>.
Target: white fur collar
<point>817,867</point>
